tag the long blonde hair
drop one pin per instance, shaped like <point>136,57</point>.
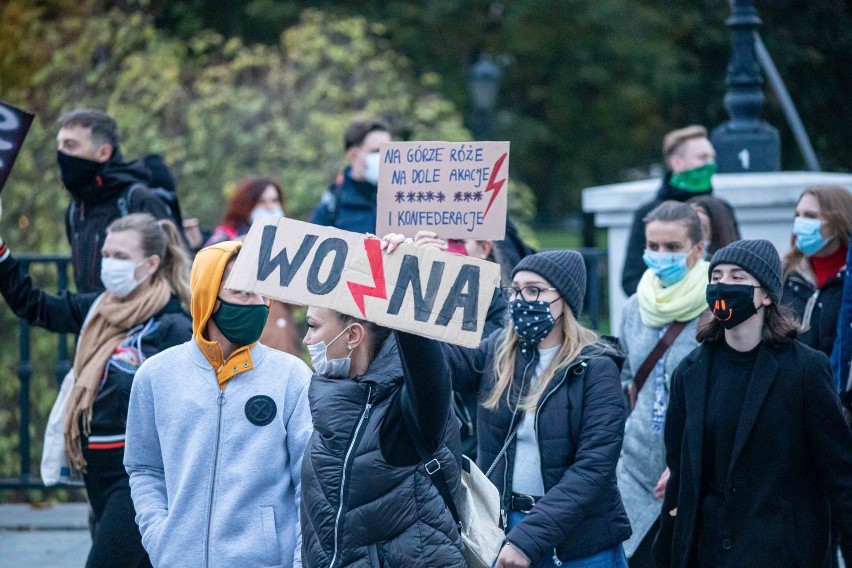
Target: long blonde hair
<point>575,339</point>
<point>163,239</point>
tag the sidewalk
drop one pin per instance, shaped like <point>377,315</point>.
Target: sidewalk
<point>53,537</point>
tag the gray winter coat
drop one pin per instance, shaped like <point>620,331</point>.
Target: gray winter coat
<point>643,455</point>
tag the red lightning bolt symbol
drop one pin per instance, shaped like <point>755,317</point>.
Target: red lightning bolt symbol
<point>358,291</point>
<point>496,186</point>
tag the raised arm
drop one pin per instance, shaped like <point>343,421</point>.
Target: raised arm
<point>427,386</point>
<point>63,313</point>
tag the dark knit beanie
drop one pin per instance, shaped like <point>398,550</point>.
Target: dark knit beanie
<point>564,269</point>
<point>759,258</point>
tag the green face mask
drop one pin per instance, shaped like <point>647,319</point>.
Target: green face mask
<point>241,324</point>
<point>694,180</point>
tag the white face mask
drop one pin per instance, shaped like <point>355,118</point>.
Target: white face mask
<point>262,212</point>
<point>371,174</point>
<point>329,367</point>
<point>118,276</point>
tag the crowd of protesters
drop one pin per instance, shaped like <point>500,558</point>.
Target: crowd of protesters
<point>713,431</point>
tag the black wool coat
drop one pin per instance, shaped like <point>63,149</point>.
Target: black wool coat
<point>790,467</point>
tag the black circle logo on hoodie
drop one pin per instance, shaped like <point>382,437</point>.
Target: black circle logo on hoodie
<point>261,410</point>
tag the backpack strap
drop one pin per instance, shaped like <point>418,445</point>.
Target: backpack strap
<point>430,462</point>
<point>334,195</point>
<point>123,202</point>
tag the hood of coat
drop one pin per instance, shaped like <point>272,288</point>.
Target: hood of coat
<point>115,177</point>
<point>204,283</point>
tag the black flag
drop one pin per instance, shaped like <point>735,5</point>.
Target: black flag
<point>14,125</point>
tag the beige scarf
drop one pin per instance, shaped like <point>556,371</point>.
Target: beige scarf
<point>682,301</point>
<point>105,330</point>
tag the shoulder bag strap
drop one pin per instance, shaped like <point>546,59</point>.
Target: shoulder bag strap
<point>430,462</point>
<point>648,364</point>
<point>502,451</point>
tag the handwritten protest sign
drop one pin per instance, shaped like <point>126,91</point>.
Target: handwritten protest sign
<point>14,125</point>
<point>458,190</point>
<point>417,289</point>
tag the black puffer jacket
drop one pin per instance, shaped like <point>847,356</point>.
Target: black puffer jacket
<point>366,498</point>
<point>816,309</point>
<point>66,313</point>
<point>581,512</point>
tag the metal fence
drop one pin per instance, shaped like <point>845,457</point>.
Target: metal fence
<point>594,258</point>
<point>26,479</point>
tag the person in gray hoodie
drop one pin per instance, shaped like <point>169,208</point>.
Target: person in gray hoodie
<point>215,435</point>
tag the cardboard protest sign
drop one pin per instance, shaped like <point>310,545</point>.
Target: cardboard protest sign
<point>14,125</point>
<point>458,190</point>
<point>417,289</point>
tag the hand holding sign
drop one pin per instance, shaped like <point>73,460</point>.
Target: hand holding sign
<point>422,290</point>
<point>422,239</point>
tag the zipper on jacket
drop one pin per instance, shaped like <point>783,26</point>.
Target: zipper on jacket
<point>220,402</point>
<point>809,309</point>
<point>572,368</point>
<point>365,414</point>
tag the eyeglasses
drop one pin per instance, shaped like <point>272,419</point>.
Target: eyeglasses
<point>528,293</point>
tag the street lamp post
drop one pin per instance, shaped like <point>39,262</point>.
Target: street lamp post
<point>484,82</point>
<point>745,143</point>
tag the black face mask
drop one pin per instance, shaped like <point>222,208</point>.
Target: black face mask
<point>81,177</point>
<point>731,304</point>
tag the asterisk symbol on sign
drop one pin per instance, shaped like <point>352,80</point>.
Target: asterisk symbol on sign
<point>410,196</point>
<point>467,196</point>
<point>420,196</point>
<point>457,196</point>
<point>399,197</point>
<point>477,196</point>
<point>430,195</point>
<point>441,197</point>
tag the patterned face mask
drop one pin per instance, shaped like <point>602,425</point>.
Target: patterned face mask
<point>533,320</point>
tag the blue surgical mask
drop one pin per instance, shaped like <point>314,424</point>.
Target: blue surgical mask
<point>809,240</point>
<point>669,267</point>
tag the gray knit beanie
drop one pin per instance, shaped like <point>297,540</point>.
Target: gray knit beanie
<point>759,258</point>
<point>565,270</point>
